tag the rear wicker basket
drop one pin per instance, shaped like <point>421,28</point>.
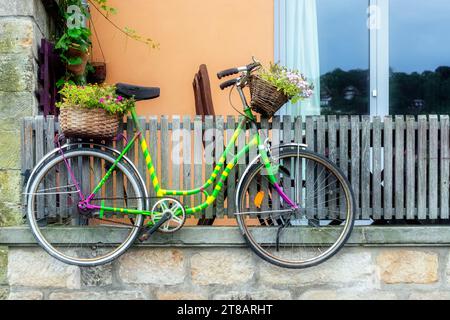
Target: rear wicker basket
<point>266,99</point>
<point>79,122</point>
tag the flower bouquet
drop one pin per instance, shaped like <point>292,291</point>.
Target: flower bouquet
<point>271,88</point>
<point>91,111</point>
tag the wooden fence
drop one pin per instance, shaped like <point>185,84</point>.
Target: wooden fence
<point>398,166</point>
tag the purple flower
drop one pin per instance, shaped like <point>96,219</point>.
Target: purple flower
<point>102,100</point>
<point>119,98</point>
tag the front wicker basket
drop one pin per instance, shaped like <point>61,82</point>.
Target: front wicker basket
<point>266,99</point>
<point>79,122</point>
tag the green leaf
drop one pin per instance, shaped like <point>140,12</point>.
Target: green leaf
<point>75,61</point>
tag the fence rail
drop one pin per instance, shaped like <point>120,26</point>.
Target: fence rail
<point>398,166</point>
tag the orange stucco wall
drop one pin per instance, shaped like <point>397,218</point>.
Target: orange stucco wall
<point>219,33</point>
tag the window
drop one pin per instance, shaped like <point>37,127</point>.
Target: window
<point>344,56</point>
<point>374,57</point>
<point>419,56</point>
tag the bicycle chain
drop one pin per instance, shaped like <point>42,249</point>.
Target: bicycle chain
<point>128,198</point>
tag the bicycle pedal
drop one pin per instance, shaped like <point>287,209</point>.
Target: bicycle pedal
<point>149,231</point>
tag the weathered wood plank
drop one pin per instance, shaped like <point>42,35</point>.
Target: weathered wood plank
<point>322,173</point>
<point>219,148</point>
<point>165,151</point>
<point>231,182</point>
<point>198,159</point>
<point>410,168</point>
<point>343,153</point>
<point>388,162</point>
<point>153,150</point>
<point>243,161</point>
<point>422,168</point>
<point>310,171</point>
<point>298,169</point>
<point>50,179</point>
<point>433,181</point>
<point>209,155</point>
<point>376,171</point>
<point>399,191</point>
<point>355,161</point>
<point>276,140</point>
<point>175,155</point>
<point>366,210</point>
<point>39,147</point>
<point>331,202</point>
<point>444,167</point>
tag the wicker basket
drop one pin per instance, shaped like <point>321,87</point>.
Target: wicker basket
<point>88,123</point>
<point>266,99</point>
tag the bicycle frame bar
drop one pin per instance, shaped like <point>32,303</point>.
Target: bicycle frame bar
<point>255,141</point>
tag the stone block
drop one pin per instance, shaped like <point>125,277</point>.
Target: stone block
<point>347,295</point>
<point>33,267</point>
<point>99,276</point>
<point>17,73</point>
<point>25,295</point>
<point>223,266</point>
<point>13,107</point>
<point>3,265</point>
<point>348,268</point>
<point>430,295</point>
<point>165,294</point>
<point>16,36</point>
<point>161,266</point>
<point>408,266</point>
<point>266,294</point>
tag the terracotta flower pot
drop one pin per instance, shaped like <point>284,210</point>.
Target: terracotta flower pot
<point>77,69</point>
<point>99,74</point>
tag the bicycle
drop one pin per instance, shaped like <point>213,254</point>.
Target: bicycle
<point>296,230</point>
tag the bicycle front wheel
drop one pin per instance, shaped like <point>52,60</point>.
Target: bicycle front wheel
<point>295,237</point>
<point>75,235</point>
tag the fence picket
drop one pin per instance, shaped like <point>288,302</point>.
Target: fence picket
<point>365,168</point>
<point>410,167</point>
<point>209,155</point>
<point>198,159</point>
<point>444,167</point>
<point>422,168</point>
<point>376,171</point>
<point>355,161</point>
<point>433,168</point>
<point>388,160</point>
<point>231,182</point>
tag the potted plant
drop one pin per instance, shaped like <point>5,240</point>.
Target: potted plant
<point>91,111</point>
<point>271,88</point>
<point>73,41</point>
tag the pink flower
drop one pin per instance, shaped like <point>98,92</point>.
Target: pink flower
<point>102,100</point>
<point>119,98</point>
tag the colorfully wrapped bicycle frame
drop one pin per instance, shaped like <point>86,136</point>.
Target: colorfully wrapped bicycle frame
<point>255,141</point>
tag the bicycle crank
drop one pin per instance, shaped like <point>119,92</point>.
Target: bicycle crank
<point>177,214</point>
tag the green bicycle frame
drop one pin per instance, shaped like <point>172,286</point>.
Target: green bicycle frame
<point>255,141</point>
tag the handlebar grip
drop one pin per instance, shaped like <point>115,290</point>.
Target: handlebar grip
<point>226,73</point>
<point>228,83</point>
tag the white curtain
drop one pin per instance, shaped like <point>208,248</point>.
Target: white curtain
<point>297,47</point>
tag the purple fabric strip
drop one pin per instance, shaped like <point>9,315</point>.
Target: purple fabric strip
<point>284,196</point>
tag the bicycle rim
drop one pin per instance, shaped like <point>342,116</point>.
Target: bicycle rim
<point>296,238</point>
<point>72,235</point>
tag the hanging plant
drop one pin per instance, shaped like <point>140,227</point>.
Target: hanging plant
<point>74,38</point>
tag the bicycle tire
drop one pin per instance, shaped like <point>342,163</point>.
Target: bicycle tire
<point>283,152</point>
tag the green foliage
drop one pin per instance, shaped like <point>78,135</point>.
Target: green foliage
<point>292,83</point>
<point>94,96</point>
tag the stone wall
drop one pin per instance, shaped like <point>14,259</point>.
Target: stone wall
<point>23,23</point>
<point>231,273</point>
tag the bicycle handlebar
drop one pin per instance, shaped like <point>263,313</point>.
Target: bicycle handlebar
<point>228,72</point>
<point>228,83</point>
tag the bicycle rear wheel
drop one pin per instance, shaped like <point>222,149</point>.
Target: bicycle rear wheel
<point>302,237</point>
<point>82,237</point>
